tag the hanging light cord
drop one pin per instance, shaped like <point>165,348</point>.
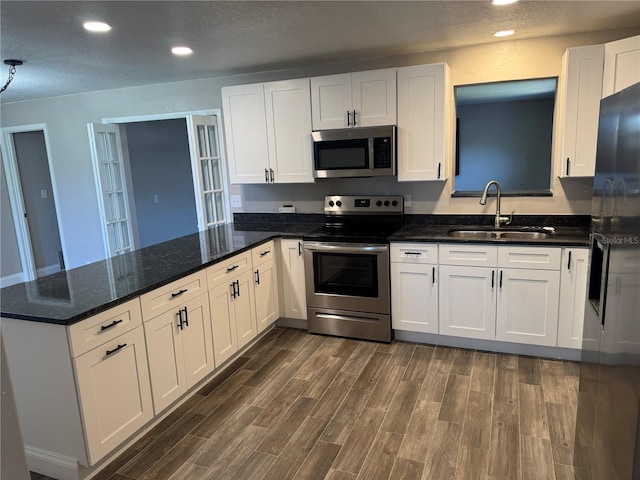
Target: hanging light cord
<point>12,72</point>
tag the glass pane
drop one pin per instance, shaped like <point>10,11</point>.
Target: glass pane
<point>202,142</point>
<point>124,229</point>
<point>112,237</point>
<point>206,174</point>
<point>217,177</point>
<point>121,209</point>
<point>213,141</point>
<point>109,208</point>
<point>219,206</point>
<point>117,178</point>
<point>111,146</point>
<point>208,200</point>
<point>106,177</point>
<point>101,147</point>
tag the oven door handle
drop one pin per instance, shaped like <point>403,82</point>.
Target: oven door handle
<point>345,247</point>
<point>331,316</point>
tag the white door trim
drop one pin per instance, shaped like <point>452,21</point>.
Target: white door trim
<point>16,198</point>
<point>159,116</point>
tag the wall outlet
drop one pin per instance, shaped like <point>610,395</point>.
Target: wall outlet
<point>407,200</point>
<point>287,209</point>
<point>236,201</point>
<point>155,198</point>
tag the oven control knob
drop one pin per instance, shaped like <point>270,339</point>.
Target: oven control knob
<point>338,203</point>
<point>331,203</point>
<point>379,203</point>
<point>386,203</point>
<point>394,203</point>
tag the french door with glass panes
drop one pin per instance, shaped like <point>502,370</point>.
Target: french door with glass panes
<point>208,168</point>
<point>106,149</point>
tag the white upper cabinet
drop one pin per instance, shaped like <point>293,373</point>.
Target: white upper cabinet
<point>268,132</point>
<point>360,99</point>
<point>579,96</point>
<point>621,65</point>
<point>424,122</point>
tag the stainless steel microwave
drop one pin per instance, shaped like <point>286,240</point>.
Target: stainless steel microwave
<point>354,152</point>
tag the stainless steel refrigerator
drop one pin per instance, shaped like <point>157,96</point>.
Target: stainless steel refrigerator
<point>607,428</point>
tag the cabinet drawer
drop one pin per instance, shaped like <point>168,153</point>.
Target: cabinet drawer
<point>228,269</point>
<point>263,253</point>
<point>533,258</point>
<point>173,294</point>
<point>414,253</point>
<point>104,327</point>
<point>481,255</point>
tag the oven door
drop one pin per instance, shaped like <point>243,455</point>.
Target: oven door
<point>347,276</point>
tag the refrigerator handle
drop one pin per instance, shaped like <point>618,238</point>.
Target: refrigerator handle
<point>604,284</point>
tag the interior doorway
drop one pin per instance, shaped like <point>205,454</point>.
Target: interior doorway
<point>32,195</point>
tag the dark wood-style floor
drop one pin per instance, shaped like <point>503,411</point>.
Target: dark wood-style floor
<point>301,406</point>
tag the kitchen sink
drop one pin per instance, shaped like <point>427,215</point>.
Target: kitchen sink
<point>499,234</point>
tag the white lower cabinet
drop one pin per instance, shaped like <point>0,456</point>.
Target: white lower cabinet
<point>113,390</point>
<point>265,285</point>
<point>573,293</point>
<point>180,350</point>
<point>506,293</point>
<point>414,287</point>
<point>292,282</point>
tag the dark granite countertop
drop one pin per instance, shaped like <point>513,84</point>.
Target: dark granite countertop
<point>67,297</point>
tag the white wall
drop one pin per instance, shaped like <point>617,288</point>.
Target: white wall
<point>66,118</point>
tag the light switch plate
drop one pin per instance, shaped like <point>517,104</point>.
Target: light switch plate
<point>407,200</point>
<point>236,201</point>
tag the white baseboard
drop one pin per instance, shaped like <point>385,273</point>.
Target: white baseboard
<point>52,464</point>
<point>44,271</point>
<point>9,280</point>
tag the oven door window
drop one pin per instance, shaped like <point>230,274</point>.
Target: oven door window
<point>346,274</point>
<point>342,154</point>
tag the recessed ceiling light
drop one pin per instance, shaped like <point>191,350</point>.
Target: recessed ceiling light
<point>504,33</point>
<point>503,2</point>
<point>181,51</point>
<point>96,26</point>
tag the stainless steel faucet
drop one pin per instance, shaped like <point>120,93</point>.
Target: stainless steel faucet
<point>483,201</point>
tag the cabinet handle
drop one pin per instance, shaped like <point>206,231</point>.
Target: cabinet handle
<point>354,119</point>
<point>569,262</point>
<point>501,272</point>
<point>493,279</point>
<point>266,252</point>
<point>299,249</point>
<point>567,167</point>
<point>271,174</point>
<point>433,275</point>
<point>231,269</point>
<point>439,169</point>
<point>348,118</point>
<point>237,282</point>
<point>180,322</point>
<point>258,277</point>
<point>266,175</point>
<point>234,294</point>
<point>119,347</point>
<point>413,253</point>
<point>112,324</point>
<point>177,294</point>
<point>186,316</point>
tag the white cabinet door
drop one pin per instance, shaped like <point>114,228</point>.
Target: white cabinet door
<point>114,391</point>
<point>424,122</point>
<point>414,297</point>
<point>580,92</point>
<point>225,340</point>
<point>166,359</point>
<point>288,113</point>
<point>467,301</point>
<point>373,96</point>
<point>294,300</point>
<point>573,293</point>
<point>621,65</point>
<point>197,340</point>
<point>244,309</point>
<point>528,306</point>
<point>245,132</point>
<point>330,101</point>
<point>266,294</point>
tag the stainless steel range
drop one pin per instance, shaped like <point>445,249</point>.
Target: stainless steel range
<point>347,267</point>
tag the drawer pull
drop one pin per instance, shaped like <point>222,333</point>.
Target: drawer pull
<point>266,252</point>
<point>413,253</point>
<point>177,294</point>
<point>119,347</point>
<point>112,324</point>
<point>231,269</point>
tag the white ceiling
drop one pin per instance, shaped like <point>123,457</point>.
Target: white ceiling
<point>250,36</point>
